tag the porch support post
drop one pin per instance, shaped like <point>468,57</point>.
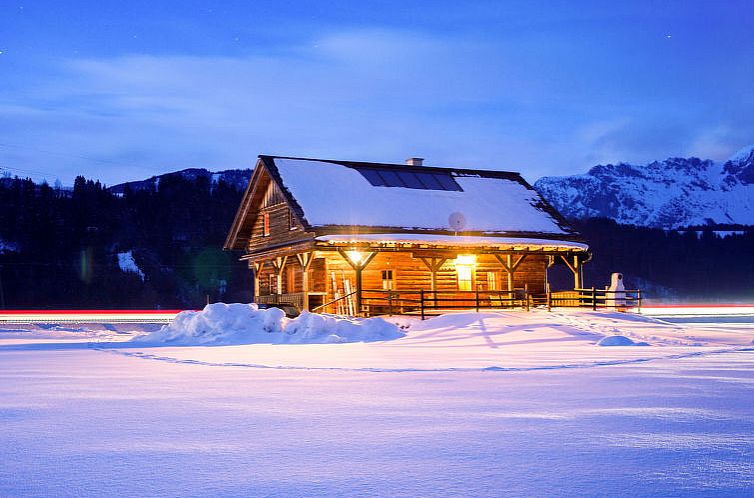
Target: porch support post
<point>256,267</point>
<point>358,267</point>
<point>305,260</point>
<point>510,266</point>
<point>550,261</point>
<point>278,264</point>
<point>434,265</point>
<point>575,267</point>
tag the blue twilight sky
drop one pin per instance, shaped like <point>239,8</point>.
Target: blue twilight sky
<point>124,90</point>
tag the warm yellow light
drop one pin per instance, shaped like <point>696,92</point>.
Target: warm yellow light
<point>466,259</point>
<point>356,257</point>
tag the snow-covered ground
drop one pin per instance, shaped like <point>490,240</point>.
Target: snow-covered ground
<point>471,404</point>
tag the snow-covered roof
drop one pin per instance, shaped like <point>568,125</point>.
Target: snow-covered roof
<point>342,194</point>
<point>449,240</point>
<point>346,197</point>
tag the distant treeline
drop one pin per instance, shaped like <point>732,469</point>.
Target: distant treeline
<point>702,263</point>
<point>59,248</point>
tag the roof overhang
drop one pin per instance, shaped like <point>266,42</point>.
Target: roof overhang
<point>417,240</point>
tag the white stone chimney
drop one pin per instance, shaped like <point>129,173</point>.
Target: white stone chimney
<point>415,161</point>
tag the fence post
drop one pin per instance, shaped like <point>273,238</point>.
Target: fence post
<point>390,303</point>
<point>594,298</point>
<point>638,298</point>
<point>549,301</point>
<point>477,299</point>
<point>421,302</point>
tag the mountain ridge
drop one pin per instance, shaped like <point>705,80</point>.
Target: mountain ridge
<point>670,194</point>
<point>674,193</point>
<point>236,177</point>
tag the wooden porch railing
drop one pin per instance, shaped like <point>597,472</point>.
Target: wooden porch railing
<point>426,302</point>
<point>324,307</point>
<point>294,298</point>
<point>595,299</point>
<point>429,303</point>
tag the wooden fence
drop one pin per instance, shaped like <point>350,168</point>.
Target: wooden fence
<point>429,303</point>
<point>595,299</point>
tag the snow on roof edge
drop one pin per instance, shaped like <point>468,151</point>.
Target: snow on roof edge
<point>456,240</point>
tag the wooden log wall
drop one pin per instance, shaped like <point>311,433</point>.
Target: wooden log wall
<point>412,274</point>
<point>409,274</point>
<point>284,228</point>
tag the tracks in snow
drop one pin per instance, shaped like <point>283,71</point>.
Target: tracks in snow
<point>493,368</point>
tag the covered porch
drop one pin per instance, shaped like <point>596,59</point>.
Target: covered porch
<point>381,273</point>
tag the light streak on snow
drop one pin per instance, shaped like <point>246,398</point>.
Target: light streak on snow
<point>87,316</point>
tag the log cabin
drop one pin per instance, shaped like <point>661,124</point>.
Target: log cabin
<point>355,237</point>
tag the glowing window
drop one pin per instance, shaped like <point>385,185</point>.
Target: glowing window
<point>465,281</point>
<point>493,280</point>
<point>266,221</point>
<point>465,271</point>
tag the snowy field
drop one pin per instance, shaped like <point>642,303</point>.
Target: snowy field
<point>473,404</point>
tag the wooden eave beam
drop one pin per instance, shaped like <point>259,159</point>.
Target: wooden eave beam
<point>568,264</point>
<point>278,263</point>
<point>510,266</point>
<point>305,259</point>
<point>362,264</point>
<point>287,248</point>
<point>433,264</point>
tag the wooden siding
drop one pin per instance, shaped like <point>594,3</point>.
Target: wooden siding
<point>281,232</point>
<point>272,195</point>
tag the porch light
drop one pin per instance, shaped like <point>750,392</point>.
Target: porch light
<point>465,259</point>
<point>356,257</point>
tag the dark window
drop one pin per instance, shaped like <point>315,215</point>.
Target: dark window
<point>421,180</point>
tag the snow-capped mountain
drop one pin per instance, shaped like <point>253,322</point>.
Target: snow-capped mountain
<point>237,177</point>
<point>674,193</point>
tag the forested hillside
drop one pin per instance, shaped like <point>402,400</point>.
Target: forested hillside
<point>160,245</point>
<point>703,263</point>
<point>143,248</point>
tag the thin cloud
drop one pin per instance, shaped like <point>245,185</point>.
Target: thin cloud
<point>371,94</point>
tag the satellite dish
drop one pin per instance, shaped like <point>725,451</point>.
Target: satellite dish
<point>457,221</point>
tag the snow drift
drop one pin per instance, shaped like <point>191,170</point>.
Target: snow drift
<point>619,340</point>
<point>221,324</point>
